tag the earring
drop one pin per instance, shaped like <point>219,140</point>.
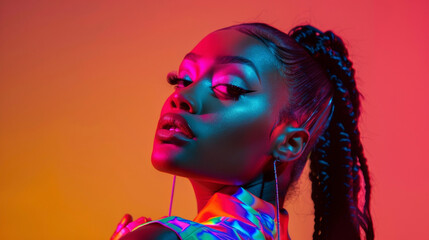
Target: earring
<point>172,195</point>
<point>277,198</point>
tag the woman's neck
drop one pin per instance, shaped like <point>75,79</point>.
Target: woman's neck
<point>205,190</point>
<point>262,187</point>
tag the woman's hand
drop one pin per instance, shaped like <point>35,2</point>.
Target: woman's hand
<point>126,225</point>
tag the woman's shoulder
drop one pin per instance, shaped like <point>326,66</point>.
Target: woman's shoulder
<point>152,231</point>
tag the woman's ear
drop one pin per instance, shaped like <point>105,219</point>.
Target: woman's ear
<point>289,142</point>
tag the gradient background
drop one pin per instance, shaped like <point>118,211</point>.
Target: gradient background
<point>82,84</point>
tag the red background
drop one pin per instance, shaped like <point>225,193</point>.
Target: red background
<point>82,83</point>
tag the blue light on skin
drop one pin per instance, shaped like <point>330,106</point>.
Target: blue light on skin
<point>233,143</point>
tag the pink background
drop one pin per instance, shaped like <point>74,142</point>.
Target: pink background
<point>82,83</point>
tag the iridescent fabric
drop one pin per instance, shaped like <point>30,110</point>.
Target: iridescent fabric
<point>239,216</point>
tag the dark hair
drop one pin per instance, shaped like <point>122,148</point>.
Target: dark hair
<point>317,70</point>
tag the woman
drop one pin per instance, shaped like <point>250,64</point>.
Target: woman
<point>250,105</point>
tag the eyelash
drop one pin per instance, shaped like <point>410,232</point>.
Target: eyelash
<point>232,92</point>
<point>176,81</point>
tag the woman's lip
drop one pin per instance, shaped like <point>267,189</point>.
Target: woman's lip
<point>171,136</point>
<point>174,124</point>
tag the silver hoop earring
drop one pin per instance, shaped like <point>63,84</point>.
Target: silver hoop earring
<point>277,198</point>
<point>172,195</point>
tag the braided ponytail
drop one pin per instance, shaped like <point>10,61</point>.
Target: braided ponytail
<point>338,154</point>
<point>317,70</point>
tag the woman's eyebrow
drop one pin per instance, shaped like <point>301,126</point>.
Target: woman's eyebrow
<point>225,60</point>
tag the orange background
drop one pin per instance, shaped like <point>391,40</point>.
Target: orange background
<point>82,84</point>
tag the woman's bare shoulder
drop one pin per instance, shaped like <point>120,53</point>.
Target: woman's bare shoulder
<point>152,231</point>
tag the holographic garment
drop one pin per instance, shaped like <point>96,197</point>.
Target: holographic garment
<point>238,216</point>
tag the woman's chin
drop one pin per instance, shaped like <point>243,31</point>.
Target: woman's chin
<point>164,157</point>
<point>161,162</point>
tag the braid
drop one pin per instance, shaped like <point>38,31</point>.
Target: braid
<point>338,154</point>
<point>319,177</point>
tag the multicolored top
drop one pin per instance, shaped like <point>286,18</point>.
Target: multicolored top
<point>238,216</point>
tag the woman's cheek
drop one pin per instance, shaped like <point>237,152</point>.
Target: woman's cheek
<point>252,115</point>
<point>240,132</point>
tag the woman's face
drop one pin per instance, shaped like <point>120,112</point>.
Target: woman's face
<point>216,125</point>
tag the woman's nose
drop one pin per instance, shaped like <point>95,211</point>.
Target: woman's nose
<point>181,100</point>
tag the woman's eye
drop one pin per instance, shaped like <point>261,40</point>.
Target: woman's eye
<point>178,82</point>
<point>229,92</point>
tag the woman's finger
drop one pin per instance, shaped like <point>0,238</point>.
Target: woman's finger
<point>138,222</point>
<point>120,234</point>
<point>126,219</point>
